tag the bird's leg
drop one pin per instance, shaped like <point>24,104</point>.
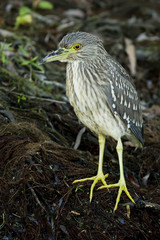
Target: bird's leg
<point>121,183</point>
<point>100,176</point>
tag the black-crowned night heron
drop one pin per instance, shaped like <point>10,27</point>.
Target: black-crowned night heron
<point>103,96</point>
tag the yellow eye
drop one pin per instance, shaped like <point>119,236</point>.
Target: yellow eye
<point>77,46</point>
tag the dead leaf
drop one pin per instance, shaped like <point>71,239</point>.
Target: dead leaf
<point>152,112</point>
<point>74,13</point>
<point>145,179</point>
<point>6,33</point>
<point>143,37</point>
<point>75,213</point>
<point>130,50</point>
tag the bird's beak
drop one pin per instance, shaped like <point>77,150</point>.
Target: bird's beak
<point>60,54</point>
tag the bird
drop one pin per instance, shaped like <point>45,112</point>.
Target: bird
<point>103,97</point>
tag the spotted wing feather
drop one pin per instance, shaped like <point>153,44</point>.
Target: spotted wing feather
<point>122,97</point>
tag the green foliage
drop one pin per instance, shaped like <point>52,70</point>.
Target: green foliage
<point>30,62</point>
<point>20,98</point>
<point>24,10</point>
<point>24,17</point>
<point>23,62</point>
<point>4,48</point>
<point>79,188</point>
<point>45,5</point>
<point>23,50</point>
<point>22,55</point>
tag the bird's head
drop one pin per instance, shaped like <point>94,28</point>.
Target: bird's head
<point>76,46</point>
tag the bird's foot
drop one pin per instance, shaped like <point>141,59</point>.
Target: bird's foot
<point>122,187</point>
<point>99,177</point>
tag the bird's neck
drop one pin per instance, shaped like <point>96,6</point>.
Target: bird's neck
<point>80,74</point>
<point>89,64</point>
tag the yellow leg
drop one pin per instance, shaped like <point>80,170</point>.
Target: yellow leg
<point>100,176</point>
<point>121,183</point>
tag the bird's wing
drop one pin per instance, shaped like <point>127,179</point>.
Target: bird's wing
<point>122,97</point>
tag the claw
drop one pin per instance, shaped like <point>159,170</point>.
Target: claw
<point>99,177</point>
<point>122,187</point>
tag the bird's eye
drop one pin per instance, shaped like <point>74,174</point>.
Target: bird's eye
<point>77,46</point>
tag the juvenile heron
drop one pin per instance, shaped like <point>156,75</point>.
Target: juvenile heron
<point>103,96</point>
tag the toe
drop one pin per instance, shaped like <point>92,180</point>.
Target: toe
<point>118,198</point>
<point>91,190</point>
<point>83,180</point>
<point>129,196</point>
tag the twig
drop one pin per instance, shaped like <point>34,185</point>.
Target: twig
<point>35,195</point>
